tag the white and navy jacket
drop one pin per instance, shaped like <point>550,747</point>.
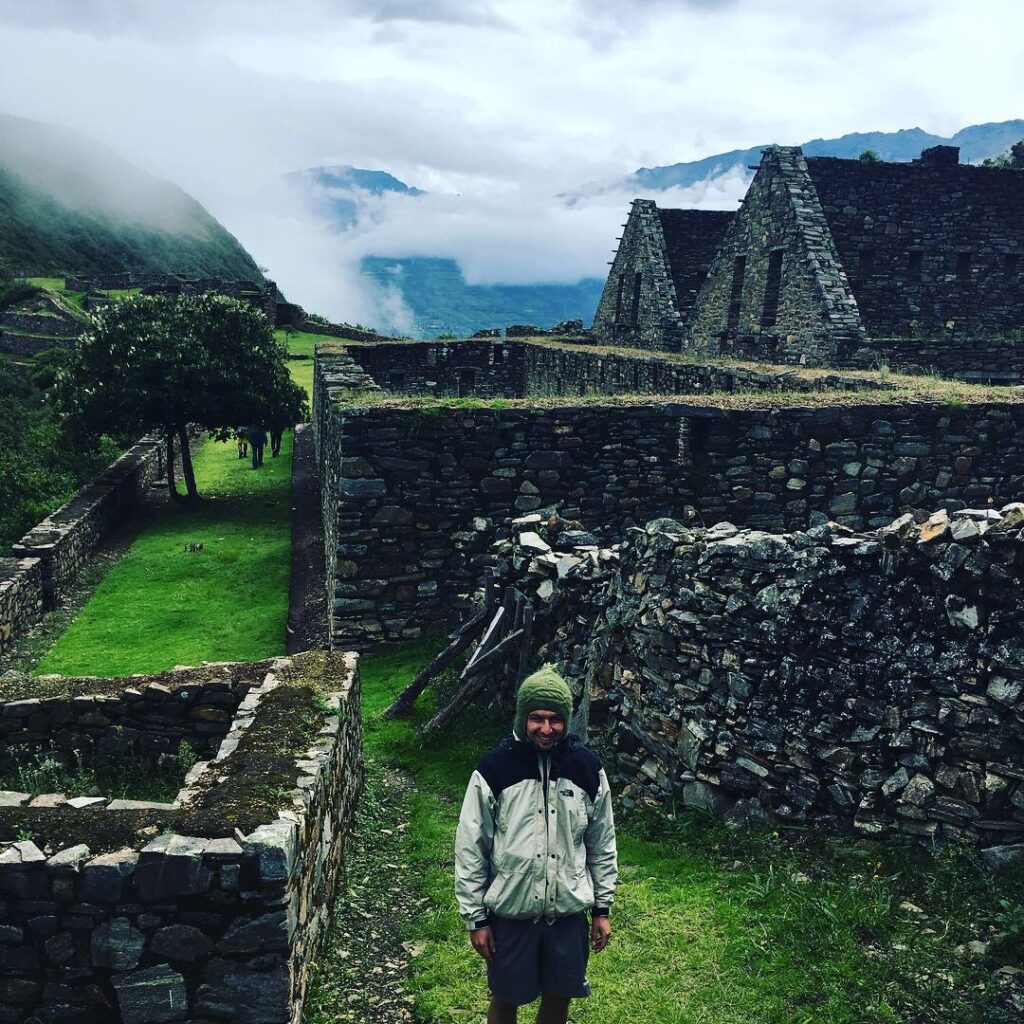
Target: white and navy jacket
<point>536,837</point>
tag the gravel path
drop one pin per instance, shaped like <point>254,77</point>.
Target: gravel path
<point>360,976</point>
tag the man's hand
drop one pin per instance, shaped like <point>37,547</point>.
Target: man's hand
<point>600,933</point>
<point>483,942</point>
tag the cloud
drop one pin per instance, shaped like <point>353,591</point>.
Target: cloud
<point>163,22</point>
<point>496,108</point>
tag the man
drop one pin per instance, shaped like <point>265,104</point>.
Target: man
<point>534,851</point>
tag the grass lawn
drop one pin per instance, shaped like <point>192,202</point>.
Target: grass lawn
<point>302,373</point>
<point>300,343</point>
<point>162,606</point>
<point>714,926</point>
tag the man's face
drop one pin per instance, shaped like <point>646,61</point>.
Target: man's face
<point>544,729</point>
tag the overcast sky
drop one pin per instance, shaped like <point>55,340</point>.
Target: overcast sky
<point>495,107</point>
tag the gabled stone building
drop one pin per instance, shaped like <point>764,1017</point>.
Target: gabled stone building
<point>659,267</point>
<point>843,263</point>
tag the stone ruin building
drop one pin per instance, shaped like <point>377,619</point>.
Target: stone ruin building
<point>785,591</point>
<point>781,592</point>
<point>833,262</point>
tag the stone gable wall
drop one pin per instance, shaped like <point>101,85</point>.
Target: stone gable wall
<point>816,320</point>
<point>658,323</point>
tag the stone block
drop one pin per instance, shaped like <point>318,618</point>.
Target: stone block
<point>153,995</point>
<point>104,877</point>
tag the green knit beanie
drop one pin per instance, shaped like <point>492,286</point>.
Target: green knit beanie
<point>545,690</point>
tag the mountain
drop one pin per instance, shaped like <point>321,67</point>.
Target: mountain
<point>70,205</point>
<point>337,192</point>
<point>976,142</point>
<point>441,302</point>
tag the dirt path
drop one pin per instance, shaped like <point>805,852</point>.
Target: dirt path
<point>307,595</point>
<point>361,974</point>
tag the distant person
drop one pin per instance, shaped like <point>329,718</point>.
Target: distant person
<point>243,443</point>
<point>534,853</point>
<point>257,440</point>
<point>276,432</point>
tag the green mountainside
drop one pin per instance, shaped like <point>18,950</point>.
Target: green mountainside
<point>70,205</point>
<point>441,302</point>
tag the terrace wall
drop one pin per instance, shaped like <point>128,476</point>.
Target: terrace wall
<point>21,597</point>
<point>64,540</point>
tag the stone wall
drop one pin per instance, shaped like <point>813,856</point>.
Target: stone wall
<point>777,289</point>
<point>484,369</point>
<point>21,597</point>
<point>139,723</point>
<point>410,497</point>
<point>965,225</point>
<point>553,371</point>
<point>147,913</point>
<point>64,540</point>
<point>872,681</point>
<point>410,494</point>
<point>861,465</point>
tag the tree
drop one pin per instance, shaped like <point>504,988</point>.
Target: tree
<point>1012,159</point>
<point>158,363</point>
<point>869,156</point>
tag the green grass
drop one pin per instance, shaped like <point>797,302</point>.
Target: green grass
<point>302,373</point>
<point>712,926</point>
<point>300,343</point>
<point>161,606</point>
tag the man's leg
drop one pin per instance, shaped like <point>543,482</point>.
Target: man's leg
<point>501,1013</point>
<point>553,1010</point>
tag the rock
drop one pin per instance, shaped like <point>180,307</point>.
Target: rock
<point>10,798</point>
<point>747,812</point>
<point>274,847</point>
<point>154,995</point>
<point>920,790</point>
<point>172,866</point>
<point>530,541</point>
<point>999,858</point>
<point>392,515</point>
<point>180,942</point>
<point>69,860</point>
<point>117,945</point>
<point>704,797</point>
<point>262,934</point>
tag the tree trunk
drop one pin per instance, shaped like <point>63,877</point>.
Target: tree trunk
<point>172,490</point>
<point>186,465</point>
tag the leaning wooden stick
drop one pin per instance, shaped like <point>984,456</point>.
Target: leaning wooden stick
<point>460,641</point>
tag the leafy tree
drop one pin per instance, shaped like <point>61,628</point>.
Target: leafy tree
<point>1012,159</point>
<point>869,156</point>
<point>158,363</point>
<point>40,467</point>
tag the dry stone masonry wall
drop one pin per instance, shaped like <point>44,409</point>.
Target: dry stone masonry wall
<point>63,541</point>
<point>411,493</point>
<point>872,681</point>
<point>208,908</point>
<point>21,597</point>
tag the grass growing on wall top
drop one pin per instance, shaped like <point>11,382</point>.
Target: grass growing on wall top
<point>162,606</point>
<point>711,926</point>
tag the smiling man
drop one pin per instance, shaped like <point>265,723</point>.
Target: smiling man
<point>534,854</point>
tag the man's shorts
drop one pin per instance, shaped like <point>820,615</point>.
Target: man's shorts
<point>532,957</point>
